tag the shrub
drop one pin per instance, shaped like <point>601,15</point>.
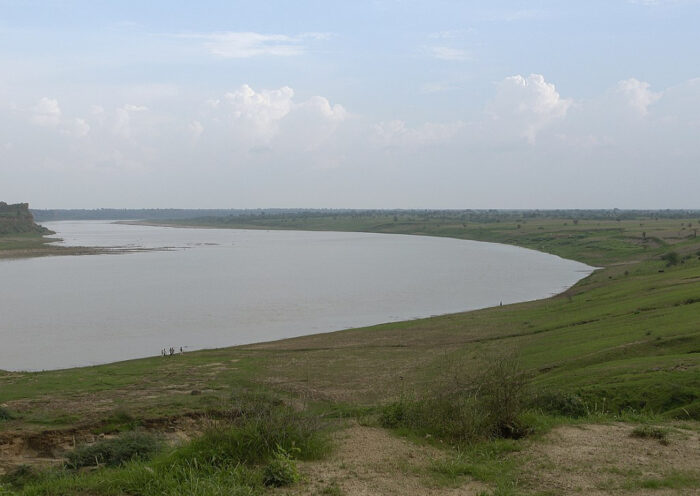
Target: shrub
<point>18,477</point>
<point>281,470</point>
<point>113,452</point>
<point>488,405</point>
<point>120,420</point>
<point>651,432</point>
<point>394,414</point>
<point>5,414</point>
<point>332,490</point>
<point>255,435</point>
<point>560,403</point>
<point>671,258</point>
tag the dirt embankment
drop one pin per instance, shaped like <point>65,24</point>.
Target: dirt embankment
<point>49,447</point>
<point>17,218</point>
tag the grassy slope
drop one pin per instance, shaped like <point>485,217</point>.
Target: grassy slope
<point>626,337</point>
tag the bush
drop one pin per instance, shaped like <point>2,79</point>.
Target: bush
<point>119,421</point>
<point>255,434</point>
<point>560,403</point>
<point>281,470</point>
<point>113,452</point>
<point>18,477</point>
<point>671,258</point>
<point>651,432</point>
<point>490,405</point>
<point>5,414</point>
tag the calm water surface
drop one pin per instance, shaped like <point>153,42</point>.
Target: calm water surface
<point>220,287</point>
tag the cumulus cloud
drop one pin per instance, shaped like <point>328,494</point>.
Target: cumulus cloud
<point>637,95</point>
<point>260,109</point>
<point>526,105</point>
<point>256,117</point>
<point>527,129</point>
<point>46,112</point>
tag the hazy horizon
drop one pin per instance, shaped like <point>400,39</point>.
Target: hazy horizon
<point>363,105</point>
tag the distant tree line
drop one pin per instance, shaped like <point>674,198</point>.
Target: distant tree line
<point>468,215</point>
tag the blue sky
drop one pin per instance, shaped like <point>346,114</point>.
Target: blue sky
<point>502,104</point>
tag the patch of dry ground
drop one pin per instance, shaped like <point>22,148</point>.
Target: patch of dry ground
<point>606,460</point>
<point>369,461</point>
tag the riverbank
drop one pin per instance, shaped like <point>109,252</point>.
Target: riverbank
<point>28,245</point>
<point>624,342</point>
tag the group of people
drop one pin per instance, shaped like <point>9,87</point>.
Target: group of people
<point>169,351</point>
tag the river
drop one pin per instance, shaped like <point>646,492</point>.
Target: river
<point>208,288</point>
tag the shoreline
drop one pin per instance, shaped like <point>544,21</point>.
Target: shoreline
<point>581,274</point>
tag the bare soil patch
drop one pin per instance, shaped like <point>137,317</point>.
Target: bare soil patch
<point>605,460</point>
<point>370,461</point>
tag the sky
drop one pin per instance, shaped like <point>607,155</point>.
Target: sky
<point>363,104</point>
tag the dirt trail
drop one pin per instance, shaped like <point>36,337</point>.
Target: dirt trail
<point>370,461</point>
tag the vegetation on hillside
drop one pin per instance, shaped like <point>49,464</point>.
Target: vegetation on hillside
<point>16,219</point>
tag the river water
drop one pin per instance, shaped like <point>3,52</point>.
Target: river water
<point>208,288</point>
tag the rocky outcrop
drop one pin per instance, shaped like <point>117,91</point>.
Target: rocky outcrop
<point>17,218</point>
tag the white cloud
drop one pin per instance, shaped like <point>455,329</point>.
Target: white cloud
<point>249,44</point>
<point>256,116</point>
<point>448,53</point>
<point>123,119</point>
<point>46,112</point>
<point>525,105</point>
<point>527,138</point>
<point>323,107</point>
<point>310,124</point>
<point>397,134</point>
<point>262,110</point>
<point>78,128</point>
<point>637,95</point>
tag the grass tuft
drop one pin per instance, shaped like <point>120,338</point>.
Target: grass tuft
<point>5,414</point>
<point>651,432</point>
